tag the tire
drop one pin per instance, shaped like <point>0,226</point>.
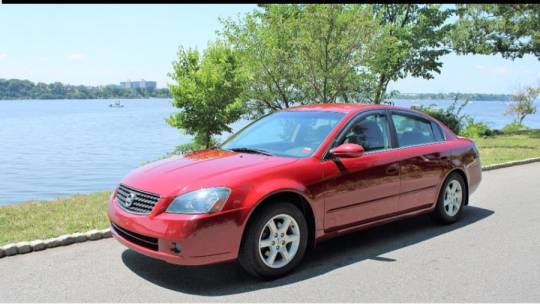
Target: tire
<point>257,249</point>
<point>452,197</point>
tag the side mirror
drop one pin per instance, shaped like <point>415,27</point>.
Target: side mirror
<point>347,151</point>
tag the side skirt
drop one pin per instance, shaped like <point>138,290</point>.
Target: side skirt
<point>374,222</point>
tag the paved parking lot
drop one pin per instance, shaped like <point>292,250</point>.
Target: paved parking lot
<point>492,254</point>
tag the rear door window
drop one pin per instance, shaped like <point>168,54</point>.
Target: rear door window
<point>413,131</point>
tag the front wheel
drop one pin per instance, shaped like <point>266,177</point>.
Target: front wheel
<point>275,241</point>
<point>452,198</point>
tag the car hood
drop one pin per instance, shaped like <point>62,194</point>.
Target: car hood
<point>208,168</point>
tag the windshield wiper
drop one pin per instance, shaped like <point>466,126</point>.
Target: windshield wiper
<point>251,150</point>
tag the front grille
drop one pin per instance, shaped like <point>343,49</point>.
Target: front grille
<point>139,239</point>
<point>135,201</point>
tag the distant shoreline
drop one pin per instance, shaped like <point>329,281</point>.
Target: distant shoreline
<point>451,96</point>
<point>83,99</point>
<point>18,89</point>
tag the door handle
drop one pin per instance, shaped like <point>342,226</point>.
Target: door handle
<point>392,169</point>
<point>434,156</point>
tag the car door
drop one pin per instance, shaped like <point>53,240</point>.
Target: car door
<point>358,190</point>
<point>422,160</point>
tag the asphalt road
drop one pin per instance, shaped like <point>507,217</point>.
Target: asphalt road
<point>492,254</point>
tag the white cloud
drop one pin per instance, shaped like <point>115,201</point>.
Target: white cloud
<point>3,56</point>
<point>77,56</point>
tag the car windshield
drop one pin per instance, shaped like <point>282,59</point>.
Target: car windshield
<point>288,133</point>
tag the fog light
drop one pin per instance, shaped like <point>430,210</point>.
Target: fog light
<point>175,248</point>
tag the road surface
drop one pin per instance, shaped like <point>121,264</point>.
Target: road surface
<point>493,254</point>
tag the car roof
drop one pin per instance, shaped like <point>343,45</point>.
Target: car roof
<point>343,107</point>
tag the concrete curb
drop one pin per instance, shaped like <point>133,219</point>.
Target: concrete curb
<point>93,235</point>
<point>511,164</point>
<point>63,240</point>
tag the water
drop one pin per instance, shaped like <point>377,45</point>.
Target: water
<point>56,148</point>
<point>490,112</point>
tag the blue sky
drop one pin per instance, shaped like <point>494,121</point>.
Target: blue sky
<point>104,44</point>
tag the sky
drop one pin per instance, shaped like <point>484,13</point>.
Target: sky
<point>107,44</point>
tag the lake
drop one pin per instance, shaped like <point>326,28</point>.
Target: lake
<point>57,148</point>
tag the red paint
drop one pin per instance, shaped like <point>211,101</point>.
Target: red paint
<point>347,150</point>
<point>344,194</point>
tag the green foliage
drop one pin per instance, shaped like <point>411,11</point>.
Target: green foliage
<point>523,104</point>
<point>25,89</point>
<point>476,129</point>
<point>450,116</point>
<point>312,53</point>
<point>512,30</point>
<point>411,42</point>
<point>207,92</point>
<point>298,54</point>
<point>514,127</point>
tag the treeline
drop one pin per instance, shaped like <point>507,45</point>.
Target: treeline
<point>25,89</point>
<point>462,96</point>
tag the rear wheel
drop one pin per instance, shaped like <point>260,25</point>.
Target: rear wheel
<point>275,241</point>
<point>452,198</point>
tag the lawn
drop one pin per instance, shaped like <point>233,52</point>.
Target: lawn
<point>41,220</point>
<point>80,213</point>
<point>509,147</point>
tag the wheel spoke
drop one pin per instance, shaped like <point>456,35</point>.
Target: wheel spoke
<point>284,253</point>
<point>272,258</point>
<point>285,226</point>
<point>272,227</point>
<point>291,239</point>
<point>447,198</point>
<point>265,243</point>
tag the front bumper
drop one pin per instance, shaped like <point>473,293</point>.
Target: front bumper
<point>202,238</point>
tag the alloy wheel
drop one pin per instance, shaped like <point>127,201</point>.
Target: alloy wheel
<point>279,241</point>
<point>453,196</point>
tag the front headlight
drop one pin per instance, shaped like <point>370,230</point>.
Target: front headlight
<point>201,201</point>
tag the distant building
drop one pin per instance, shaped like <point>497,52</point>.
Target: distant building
<point>143,84</point>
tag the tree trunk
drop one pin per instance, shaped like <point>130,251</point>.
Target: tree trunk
<point>381,89</point>
<point>207,140</point>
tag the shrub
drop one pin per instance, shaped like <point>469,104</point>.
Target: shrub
<point>513,127</point>
<point>450,116</point>
<point>190,147</point>
<point>476,129</point>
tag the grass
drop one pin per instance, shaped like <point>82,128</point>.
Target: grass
<point>79,213</point>
<point>509,147</point>
<point>46,219</point>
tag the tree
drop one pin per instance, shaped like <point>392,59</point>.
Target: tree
<point>298,54</point>
<point>207,92</point>
<point>411,43</point>
<point>334,42</point>
<point>511,30</point>
<point>523,104</point>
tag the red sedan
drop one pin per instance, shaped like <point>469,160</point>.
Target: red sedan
<point>292,179</point>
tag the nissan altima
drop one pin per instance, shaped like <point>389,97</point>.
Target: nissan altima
<point>292,179</point>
